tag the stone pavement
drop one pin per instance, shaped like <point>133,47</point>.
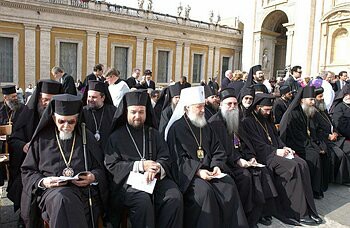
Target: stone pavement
<point>334,208</point>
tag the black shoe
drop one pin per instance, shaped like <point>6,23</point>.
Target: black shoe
<point>318,195</point>
<point>307,221</point>
<point>265,221</point>
<point>316,218</point>
<point>20,223</point>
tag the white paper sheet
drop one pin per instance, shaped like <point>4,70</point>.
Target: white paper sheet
<point>221,175</point>
<point>138,181</point>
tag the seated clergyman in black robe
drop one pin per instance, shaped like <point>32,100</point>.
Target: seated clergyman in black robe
<point>281,104</point>
<point>212,102</point>
<point>99,111</point>
<point>338,147</point>
<point>172,96</point>
<point>255,185</point>
<point>23,131</point>
<point>136,146</point>
<point>291,175</point>
<point>298,133</point>
<point>341,112</point>
<point>200,158</point>
<point>57,149</point>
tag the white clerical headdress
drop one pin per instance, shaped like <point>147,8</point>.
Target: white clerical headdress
<point>188,96</point>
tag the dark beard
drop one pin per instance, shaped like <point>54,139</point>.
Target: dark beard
<point>214,107</point>
<point>309,111</point>
<point>13,105</point>
<point>40,109</point>
<point>320,105</point>
<point>268,117</point>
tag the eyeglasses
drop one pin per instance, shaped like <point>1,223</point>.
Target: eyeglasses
<point>248,98</point>
<point>70,122</point>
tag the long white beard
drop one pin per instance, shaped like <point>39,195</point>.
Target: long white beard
<point>198,121</point>
<point>232,119</point>
<point>309,110</point>
<point>65,135</point>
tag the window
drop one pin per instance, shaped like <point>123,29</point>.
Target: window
<point>225,66</point>
<point>340,47</point>
<point>121,61</point>
<point>197,68</point>
<point>6,59</point>
<point>69,58</point>
<point>163,67</point>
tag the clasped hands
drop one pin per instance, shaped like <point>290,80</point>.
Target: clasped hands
<point>284,152</point>
<point>83,181</point>
<point>151,169</point>
<point>207,175</point>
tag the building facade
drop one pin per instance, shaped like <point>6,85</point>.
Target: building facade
<point>36,35</point>
<point>311,33</point>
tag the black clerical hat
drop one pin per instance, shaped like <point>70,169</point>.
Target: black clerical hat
<point>263,99</point>
<point>309,92</point>
<point>246,90</point>
<point>8,89</point>
<point>226,93</point>
<point>207,91</point>
<point>259,87</point>
<point>255,69</point>
<point>67,104</point>
<point>51,87</point>
<point>318,91</point>
<point>284,89</point>
<point>97,86</point>
<point>148,72</point>
<point>138,97</point>
<point>175,90</point>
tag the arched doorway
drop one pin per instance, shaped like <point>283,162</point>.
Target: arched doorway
<point>274,48</point>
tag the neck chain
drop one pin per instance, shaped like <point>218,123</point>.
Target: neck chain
<point>144,143</point>
<point>67,172</point>
<point>264,128</point>
<point>326,119</point>
<point>284,102</point>
<point>9,117</point>
<point>346,104</point>
<point>97,134</point>
<point>200,152</point>
<point>307,122</point>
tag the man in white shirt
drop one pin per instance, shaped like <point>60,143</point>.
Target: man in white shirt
<point>117,87</point>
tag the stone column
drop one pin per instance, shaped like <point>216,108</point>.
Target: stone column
<point>290,37</point>
<point>45,49</point>
<point>178,61</point>
<point>139,52</point>
<point>217,70</point>
<point>236,59</point>
<point>210,62</point>
<point>29,58</point>
<point>103,48</point>
<point>149,53</point>
<point>186,63</point>
<point>257,49</point>
<point>91,50</point>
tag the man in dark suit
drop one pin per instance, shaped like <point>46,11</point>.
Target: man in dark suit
<point>183,82</point>
<point>133,81</point>
<point>97,74</point>
<point>149,82</point>
<point>227,79</point>
<point>343,80</point>
<point>66,80</point>
<point>292,80</point>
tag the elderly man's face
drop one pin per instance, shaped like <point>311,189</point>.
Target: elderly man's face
<point>65,124</point>
<point>229,104</point>
<point>95,100</point>
<point>197,109</point>
<point>45,99</point>
<point>136,115</point>
<point>308,101</point>
<point>11,101</point>
<point>247,101</point>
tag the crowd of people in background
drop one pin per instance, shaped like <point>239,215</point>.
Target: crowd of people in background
<point>233,154</point>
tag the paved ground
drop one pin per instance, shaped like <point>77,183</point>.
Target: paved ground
<point>334,209</point>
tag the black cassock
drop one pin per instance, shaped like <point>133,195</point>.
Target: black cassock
<point>65,206</point>
<point>298,139</point>
<point>22,133</point>
<point>291,176</point>
<point>104,114</point>
<point>339,150</point>
<point>164,119</point>
<point>5,113</point>
<point>279,108</point>
<point>120,155</point>
<point>255,185</point>
<point>204,201</point>
<point>209,112</point>
<point>341,117</point>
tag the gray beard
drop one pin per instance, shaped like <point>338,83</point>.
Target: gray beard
<point>231,119</point>
<point>198,121</point>
<point>309,111</point>
<point>65,135</point>
<point>320,105</point>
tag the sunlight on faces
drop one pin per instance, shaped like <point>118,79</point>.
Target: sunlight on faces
<point>288,96</point>
<point>43,102</point>
<point>259,75</point>
<point>196,114</point>
<point>230,113</point>
<point>11,101</point>
<point>65,125</point>
<point>264,111</point>
<point>319,102</point>
<point>136,115</point>
<point>214,101</point>
<point>346,99</point>
<point>308,107</point>
<point>95,99</point>
<point>247,101</point>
